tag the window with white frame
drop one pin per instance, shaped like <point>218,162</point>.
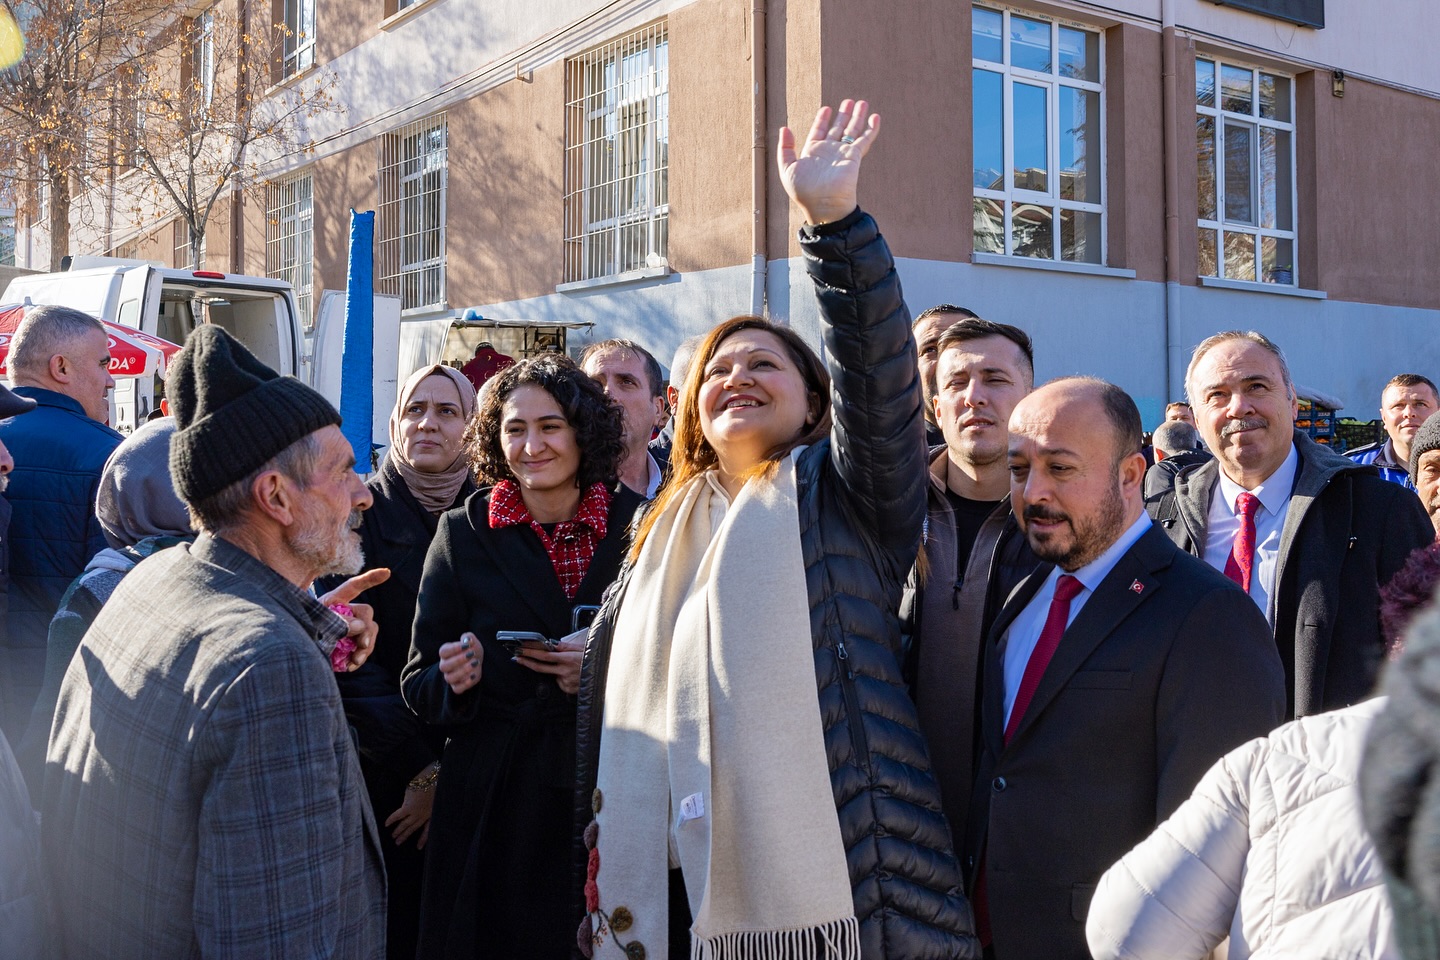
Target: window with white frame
<point>290,239</point>
<point>1245,163</point>
<point>202,56</point>
<point>1038,137</point>
<point>180,241</point>
<point>617,157</point>
<point>410,241</point>
<point>7,238</point>
<point>298,49</point>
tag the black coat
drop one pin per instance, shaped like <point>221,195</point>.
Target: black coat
<point>861,505</point>
<point>1167,667</point>
<point>498,868</point>
<point>1347,532</point>
<point>394,744</point>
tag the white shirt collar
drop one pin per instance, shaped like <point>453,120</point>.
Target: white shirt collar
<point>652,486</point>
<point>1098,569</point>
<point>1274,492</point>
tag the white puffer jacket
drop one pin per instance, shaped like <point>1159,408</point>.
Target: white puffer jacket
<point>1269,850</point>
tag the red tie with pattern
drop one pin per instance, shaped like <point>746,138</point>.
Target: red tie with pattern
<point>1067,588</point>
<point>1242,555</point>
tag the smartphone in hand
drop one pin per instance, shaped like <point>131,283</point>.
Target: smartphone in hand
<point>512,640</point>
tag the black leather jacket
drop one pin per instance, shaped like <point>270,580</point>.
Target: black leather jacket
<point>862,501</point>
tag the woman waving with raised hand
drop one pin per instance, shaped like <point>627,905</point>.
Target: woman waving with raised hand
<point>743,718</point>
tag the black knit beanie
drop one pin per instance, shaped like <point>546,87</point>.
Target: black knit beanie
<point>1427,438</point>
<point>234,413</point>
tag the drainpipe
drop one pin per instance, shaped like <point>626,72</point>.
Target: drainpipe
<point>1170,119</point>
<point>760,158</point>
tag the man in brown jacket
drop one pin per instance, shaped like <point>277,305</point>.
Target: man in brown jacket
<point>974,552</point>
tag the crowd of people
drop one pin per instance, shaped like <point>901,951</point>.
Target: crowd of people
<point>888,654</point>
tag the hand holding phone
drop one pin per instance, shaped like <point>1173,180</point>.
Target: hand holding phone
<point>514,640</point>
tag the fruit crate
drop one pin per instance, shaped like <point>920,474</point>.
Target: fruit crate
<point>1318,422</point>
<point>1351,433</point>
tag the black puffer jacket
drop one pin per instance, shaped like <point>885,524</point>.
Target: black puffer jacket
<point>862,501</point>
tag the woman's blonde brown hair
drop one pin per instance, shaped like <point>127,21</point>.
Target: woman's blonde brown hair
<point>692,454</point>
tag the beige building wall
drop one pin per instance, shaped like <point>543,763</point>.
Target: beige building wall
<point>711,211</point>
<point>1376,206</point>
<point>505,191</point>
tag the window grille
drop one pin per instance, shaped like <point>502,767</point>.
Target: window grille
<point>290,240</point>
<point>617,157</point>
<point>410,233</point>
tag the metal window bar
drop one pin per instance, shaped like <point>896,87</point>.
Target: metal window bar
<point>299,46</point>
<point>290,239</point>
<point>617,156</point>
<point>410,232</point>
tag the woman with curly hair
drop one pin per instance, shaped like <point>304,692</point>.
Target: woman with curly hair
<point>525,554</point>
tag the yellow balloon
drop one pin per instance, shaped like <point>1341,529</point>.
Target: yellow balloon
<point>12,42</point>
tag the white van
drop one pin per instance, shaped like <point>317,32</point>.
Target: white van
<point>168,303</point>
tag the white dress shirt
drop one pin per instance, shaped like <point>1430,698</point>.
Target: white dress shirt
<point>1223,520</point>
<point>1024,631</point>
<point>652,484</point>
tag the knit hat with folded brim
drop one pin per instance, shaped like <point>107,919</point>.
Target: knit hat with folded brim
<point>1427,438</point>
<point>233,412</point>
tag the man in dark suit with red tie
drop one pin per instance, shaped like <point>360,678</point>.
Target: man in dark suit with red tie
<point>1323,533</point>
<point>1116,674</point>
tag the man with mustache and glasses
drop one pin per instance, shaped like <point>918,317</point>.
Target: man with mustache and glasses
<point>202,793</point>
<point>1115,675</point>
<point>974,553</point>
<point>1308,534</point>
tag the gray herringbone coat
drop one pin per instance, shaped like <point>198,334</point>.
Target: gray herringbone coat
<point>202,795</point>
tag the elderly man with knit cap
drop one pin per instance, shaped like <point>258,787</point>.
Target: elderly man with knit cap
<point>202,796</point>
<point>1425,466</point>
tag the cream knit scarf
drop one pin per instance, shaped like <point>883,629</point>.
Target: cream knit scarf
<point>712,756</point>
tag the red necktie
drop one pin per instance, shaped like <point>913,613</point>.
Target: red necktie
<point>1066,589</point>
<point>1242,555</point>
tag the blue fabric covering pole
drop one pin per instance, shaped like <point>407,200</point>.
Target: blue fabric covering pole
<point>357,365</point>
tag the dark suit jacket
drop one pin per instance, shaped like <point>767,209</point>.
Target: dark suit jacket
<point>1147,689</point>
<point>1347,532</point>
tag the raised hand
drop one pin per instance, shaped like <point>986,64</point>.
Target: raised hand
<point>822,178</point>
<point>362,627</point>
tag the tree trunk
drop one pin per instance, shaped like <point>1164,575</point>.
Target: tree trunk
<point>197,240</point>
<point>58,183</point>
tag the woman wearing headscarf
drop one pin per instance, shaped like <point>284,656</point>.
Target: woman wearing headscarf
<point>139,513</point>
<point>425,473</point>
<point>526,554</point>
<point>742,682</point>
